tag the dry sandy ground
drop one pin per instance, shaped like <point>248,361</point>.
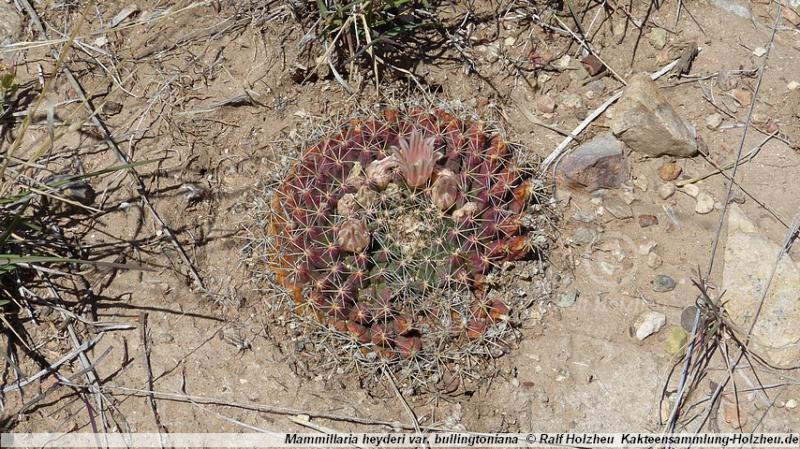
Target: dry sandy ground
<point>577,367</point>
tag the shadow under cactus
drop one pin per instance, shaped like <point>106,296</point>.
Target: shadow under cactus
<point>389,235</point>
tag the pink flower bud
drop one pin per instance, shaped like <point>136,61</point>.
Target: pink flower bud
<point>354,235</point>
<point>380,173</point>
<point>445,191</point>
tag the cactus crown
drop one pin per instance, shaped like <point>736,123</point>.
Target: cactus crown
<point>387,233</point>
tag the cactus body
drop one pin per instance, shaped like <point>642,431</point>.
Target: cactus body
<point>388,229</point>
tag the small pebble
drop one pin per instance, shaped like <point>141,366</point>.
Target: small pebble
<point>567,299</point>
<point>641,183</point>
<point>691,190</point>
<point>596,87</point>
<point>654,260</point>
<point>759,118</point>
<point>666,190</point>
<point>743,96</point>
<point>790,404</point>
<point>713,121</point>
<point>584,236</point>
<point>669,172</point>
<point>628,196</point>
<point>662,283</point>
<point>618,208</point>
<point>759,51</point>
<point>676,340</point>
<point>509,41</point>
<point>648,324</point>
<point>733,415</point>
<point>646,221</point>
<point>687,318</point>
<point>737,196</point>
<point>658,38</point>
<point>645,248</point>
<point>772,126</point>
<point>705,203</point>
<point>545,104</point>
<point>793,85</point>
<point>593,65</point>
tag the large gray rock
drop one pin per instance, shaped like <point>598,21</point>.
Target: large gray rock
<point>648,124</point>
<point>749,258</point>
<point>10,23</point>
<point>597,164</point>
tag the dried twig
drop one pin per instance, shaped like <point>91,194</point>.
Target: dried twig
<point>146,359</point>
<point>86,345</point>
<point>119,154</point>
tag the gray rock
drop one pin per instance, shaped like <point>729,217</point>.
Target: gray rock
<point>584,236</point>
<point>618,208</point>
<point>713,121</point>
<point>597,87</point>
<point>567,299</point>
<point>688,316</point>
<point>597,164</point>
<point>662,284</point>
<point>570,100</point>
<point>648,124</point>
<point>749,259</point>
<point>10,24</point>
<point>666,190</point>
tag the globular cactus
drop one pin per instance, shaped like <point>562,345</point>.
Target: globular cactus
<point>386,231</point>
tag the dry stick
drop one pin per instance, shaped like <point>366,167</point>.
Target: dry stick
<point>146,358</point>
<point>90,373</point>
<point>596,113</point>
<point>303,420</point>
<point>276,410</point>
<point>368,35</point>
<point>54,366</point>
<point>756,200</point>
<point>140,187</point>
<point>747,156</point>
<point>61,381</point>
<point>91,376</point>
<point>399,395</point>
<point>715,243</point>
<point>762,131</point>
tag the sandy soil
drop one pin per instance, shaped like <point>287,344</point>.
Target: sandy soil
<point>577,367</point>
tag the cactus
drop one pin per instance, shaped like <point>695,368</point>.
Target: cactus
<point>386,231</point>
